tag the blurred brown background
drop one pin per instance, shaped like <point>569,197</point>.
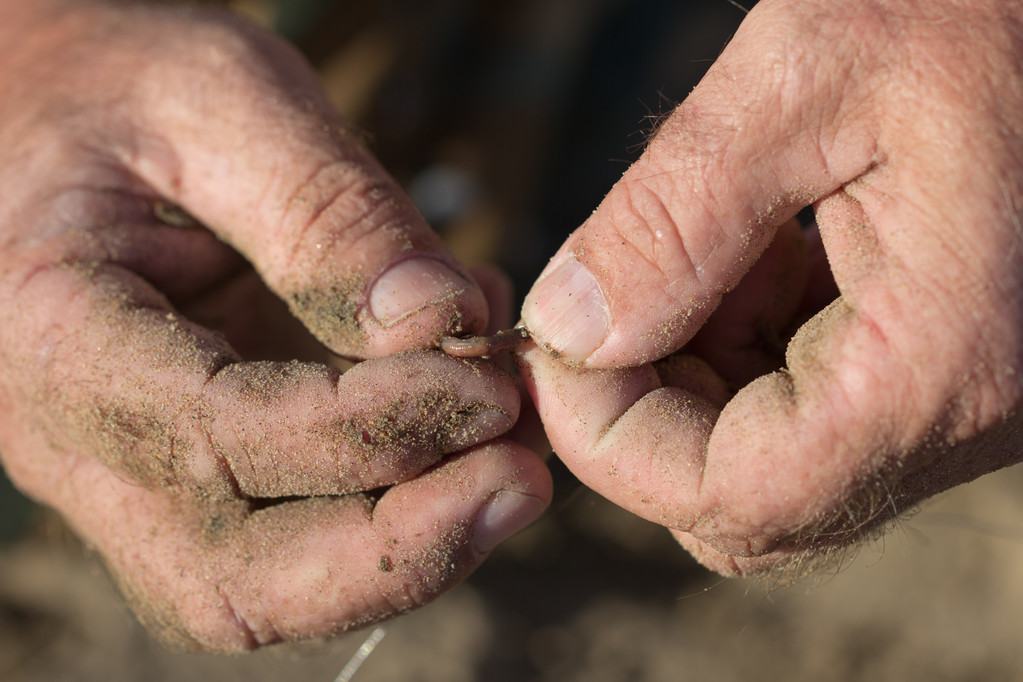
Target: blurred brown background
<point>507,121</point>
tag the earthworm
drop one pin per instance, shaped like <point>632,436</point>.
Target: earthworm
<point>484,346</point>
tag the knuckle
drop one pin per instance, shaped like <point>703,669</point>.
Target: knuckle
<point>338,206</point>
<point>642,227</point>
<point>333,232</point>
<point>648,215</point>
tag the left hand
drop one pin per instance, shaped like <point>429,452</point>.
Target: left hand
<point>238,497</point>
<point>902,123</point>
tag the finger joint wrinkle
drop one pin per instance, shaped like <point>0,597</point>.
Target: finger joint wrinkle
<point>314,198</point>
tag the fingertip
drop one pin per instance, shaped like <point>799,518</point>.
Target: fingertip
<point>504,514</point>
<point>463,487</point>
<point>412,304</point>
<point>517,503</point>
<point>462,509</point>
<point>566,311</point>
<point>576,405</point>
<point>423,284</point>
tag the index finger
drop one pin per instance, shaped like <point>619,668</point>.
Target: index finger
<point>124,378</point>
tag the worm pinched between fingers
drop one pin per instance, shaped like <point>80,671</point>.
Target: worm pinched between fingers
<point>484,346</point>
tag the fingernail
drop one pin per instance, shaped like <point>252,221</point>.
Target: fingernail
<point>412,285</point>
<point>504,514</point>
<point>567,311</point>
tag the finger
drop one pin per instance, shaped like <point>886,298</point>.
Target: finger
<point>167,403</point>
<point>690,217</point>
<point>625,434</point>
<point>229,577</point>
<point>238,131</point>
<point>287,429</point>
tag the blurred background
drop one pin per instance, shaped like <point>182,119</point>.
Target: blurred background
<point>507,122</point>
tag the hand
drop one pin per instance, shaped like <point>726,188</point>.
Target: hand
<point>236,502</point>
<point>902,124</point>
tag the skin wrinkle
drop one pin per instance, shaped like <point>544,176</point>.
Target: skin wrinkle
<point>251,641</point>
<point>654,206</point>
<point>172,457</point>
<point>246,452</point>
<point>320,207</point>
<point>1012,200</point>
<point>713,208</point>
<point>934,289</point>
<point>36,269</point>
<point>54,332</point>
<point>434,564</point>
<point>69,478</point>
<point>275,465</point>
<point>395,227</point>
<point>275,635</point>
<point>629,236</point>
<point>790,102</point>
<point>395,603</point>
<point>675,234</point>
<point>222,464</point>
<point>719,212</point>
<point>701,474</point>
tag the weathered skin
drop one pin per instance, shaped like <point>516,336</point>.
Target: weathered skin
<point>237,497</point>
<point>901,122</point>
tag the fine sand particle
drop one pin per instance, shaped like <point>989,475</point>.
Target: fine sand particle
<point>331,312</point>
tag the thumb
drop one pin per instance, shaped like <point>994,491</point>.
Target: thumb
<point>238,131</point>
<point>763,135</point>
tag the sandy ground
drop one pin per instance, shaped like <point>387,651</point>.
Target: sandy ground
<point>592,593</point>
